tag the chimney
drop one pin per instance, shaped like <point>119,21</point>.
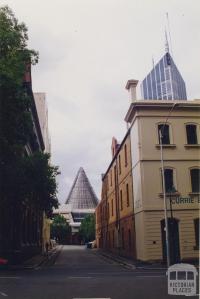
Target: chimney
<point>114,146</point>
<point>131,87</point>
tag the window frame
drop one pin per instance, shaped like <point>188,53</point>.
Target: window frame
<point>112,209</point>
<point>197,133</point>
<point>111,177</point>
<point>125,156</point>
<point>119,164</point>
<point>171,138</point>
<point>174,179</point>
<point>190,174</point>
<point>169,132</point>
<point>127,195</point>
<point>121,200</point>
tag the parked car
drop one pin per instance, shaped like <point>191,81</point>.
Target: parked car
<point>3,261</point>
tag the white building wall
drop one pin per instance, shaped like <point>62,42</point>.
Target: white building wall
<point>41,106</point>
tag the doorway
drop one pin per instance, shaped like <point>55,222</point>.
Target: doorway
<point>174,246</point>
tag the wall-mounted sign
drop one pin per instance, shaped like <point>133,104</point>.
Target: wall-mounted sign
<point>185,200</point>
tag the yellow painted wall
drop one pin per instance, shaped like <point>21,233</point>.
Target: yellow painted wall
<point>147,180</point>
<point>148,234</point>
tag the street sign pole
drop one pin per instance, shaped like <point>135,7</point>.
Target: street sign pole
<point>165,201</point>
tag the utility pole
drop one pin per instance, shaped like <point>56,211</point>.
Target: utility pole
<point>163,183</point>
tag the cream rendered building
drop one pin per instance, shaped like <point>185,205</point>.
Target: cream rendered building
<point>42,111</point>
<point>181,154</point>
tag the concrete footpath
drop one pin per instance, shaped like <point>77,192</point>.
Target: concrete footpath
<point>133,264</point>
<point>37,260</point>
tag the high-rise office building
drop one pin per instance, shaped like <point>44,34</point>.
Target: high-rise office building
<point>164,82</point>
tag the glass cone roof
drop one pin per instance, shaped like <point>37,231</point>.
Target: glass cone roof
<point>81,195</point>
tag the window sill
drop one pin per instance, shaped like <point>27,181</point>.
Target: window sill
<point>166,146</point>
<point>191,145</point>
<point>176,194</point>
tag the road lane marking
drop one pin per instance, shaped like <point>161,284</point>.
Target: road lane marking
<point>149,276</point>
<point>80,277</point>
<point>9,277</point>
<point>3,294</point>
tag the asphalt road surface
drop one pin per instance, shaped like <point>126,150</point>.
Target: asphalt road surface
<point>82,273</point>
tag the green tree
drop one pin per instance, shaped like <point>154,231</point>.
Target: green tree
<point>87,228</point>
<point>60,229</point>
<point>38,182</point>
<point>23,179</point>
<point>16,125</point>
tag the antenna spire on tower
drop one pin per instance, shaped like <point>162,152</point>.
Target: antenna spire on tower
<point>153,61</point>
<point>166,42</point>
<point>168,29</point>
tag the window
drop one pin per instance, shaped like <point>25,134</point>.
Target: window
<point>127,195</point>
<point>122,238</point>
<point>119,164</point>
<point>195,177</point>
<point>111,177</point>
<point>108,210</point>
<point>125,154</point>
<point>191,131</point>
<point>112,207</point>
<point>164,129</point>
<point>169,183</point>
<point>121,200</point>
<point>129,239</point>
<point>196,231</point>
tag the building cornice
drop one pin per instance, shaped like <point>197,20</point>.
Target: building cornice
<point>160,104</point>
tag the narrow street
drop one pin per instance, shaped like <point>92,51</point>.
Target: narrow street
<point>82,273</point>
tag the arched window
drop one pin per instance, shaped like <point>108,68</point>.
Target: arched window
<point>112,207</point>
<point>120,164</point>
<point>127,195</point>
<point>121,201</point>
<point>125,155</point>
<point>191,133</point>
<point>122,236</point>
<point>165,134</point>
<point>195,177</point>
<point>169,180</point>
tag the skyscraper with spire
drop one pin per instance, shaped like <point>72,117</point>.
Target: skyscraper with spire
<point>164,82</point>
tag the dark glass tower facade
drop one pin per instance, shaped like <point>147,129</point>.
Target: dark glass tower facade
<point>164,82</point>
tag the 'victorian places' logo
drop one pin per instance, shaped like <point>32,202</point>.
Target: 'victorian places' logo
<point>182,280</point>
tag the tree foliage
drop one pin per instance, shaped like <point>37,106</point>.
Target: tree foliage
<point>87,228</point>
<point>38,182</point>
<point>14,54</point>
<point>22,179</point>
<point>16,128</point>
<point>60,229</point>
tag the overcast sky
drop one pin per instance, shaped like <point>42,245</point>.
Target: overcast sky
<point>88,50</point>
